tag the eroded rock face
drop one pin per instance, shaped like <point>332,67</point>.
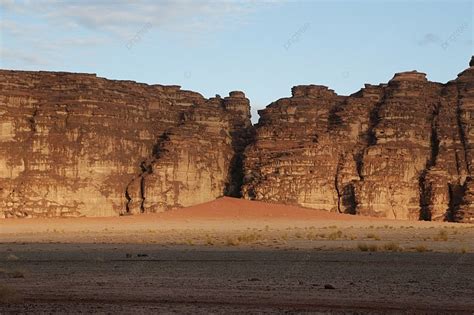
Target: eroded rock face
<point>74,144</point>
<point>399,150</point>
<point>196,161</point>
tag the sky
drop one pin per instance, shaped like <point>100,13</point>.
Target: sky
<point>260,47</point>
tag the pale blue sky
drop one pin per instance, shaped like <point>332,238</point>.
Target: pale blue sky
<point>261,47</point>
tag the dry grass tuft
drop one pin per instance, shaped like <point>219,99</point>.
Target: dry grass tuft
<point>298,235</point>
<point>392,247</point>
<point>373,236</point>
<point>230,241</point>
<point>373,248</point>
<point>421,248</point>
<point>441,236</point>
<point>209,240</point>
<point>249,238</point>
<point>363,247</point>
<point>335,235</point>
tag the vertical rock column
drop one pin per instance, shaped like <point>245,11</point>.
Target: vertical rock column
<point>242,133</point>
<point>196,161</point>
<point>293,160</point>
<point>465,86</point>
<point>399,148</point>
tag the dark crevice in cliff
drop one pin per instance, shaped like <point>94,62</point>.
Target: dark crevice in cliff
<point>240,140</point>
<point>456,197</point>
<point>66,119</point>
<point>146,167</point>
<point>346,199</point>
<point>370,136</point>
<point>340,164</point>
<point>33,122</point>
<point>236,180</point>
<point>426,192</point>
<point>334,118</point>
<point>127,203</point>
<point>349,200</point>
<point>142,194</point>
<point>359,160</point>
<point>374,120</point>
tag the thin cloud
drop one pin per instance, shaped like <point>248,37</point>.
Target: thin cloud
<point>93,23</point>
<point>16,56</point>
<point>121,18</point>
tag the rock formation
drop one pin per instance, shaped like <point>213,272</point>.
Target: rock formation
<point>399,150</point>
<point>76,144</point>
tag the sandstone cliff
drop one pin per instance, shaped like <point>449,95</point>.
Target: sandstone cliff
<point>75,144</point>
<point>399,150</point>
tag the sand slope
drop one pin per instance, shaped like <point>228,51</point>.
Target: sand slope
<point>235,208</point>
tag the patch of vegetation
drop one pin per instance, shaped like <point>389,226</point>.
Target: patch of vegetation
<point>209,240</point>
<point>392,247</point>
<point>373,236</point>
<point>421,248</point>
<point>363,247</point>
<point>441,236</point>
<point>335,235</point>
<point>298,235</point>
<point>373,248</point>
<point>230,241</point>
<point>249,238</point>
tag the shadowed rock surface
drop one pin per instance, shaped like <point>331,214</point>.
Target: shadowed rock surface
<point>76,144</point>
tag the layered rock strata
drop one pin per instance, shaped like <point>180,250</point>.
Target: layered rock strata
<point>400,150</point>
<point>80,145</point>
<point>71,144</point>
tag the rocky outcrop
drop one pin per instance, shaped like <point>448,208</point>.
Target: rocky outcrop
<point>196,161</point>
<point>74,144</point>
<point>400,150</point>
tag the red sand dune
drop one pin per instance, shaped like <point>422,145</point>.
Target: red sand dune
<point>235,208</point>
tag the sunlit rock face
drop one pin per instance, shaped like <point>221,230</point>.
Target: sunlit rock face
<point>399,150</point>
<point>79,145</point>
<point>75,144</point>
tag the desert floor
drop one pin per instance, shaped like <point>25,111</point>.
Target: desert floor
<point>234,256</point>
